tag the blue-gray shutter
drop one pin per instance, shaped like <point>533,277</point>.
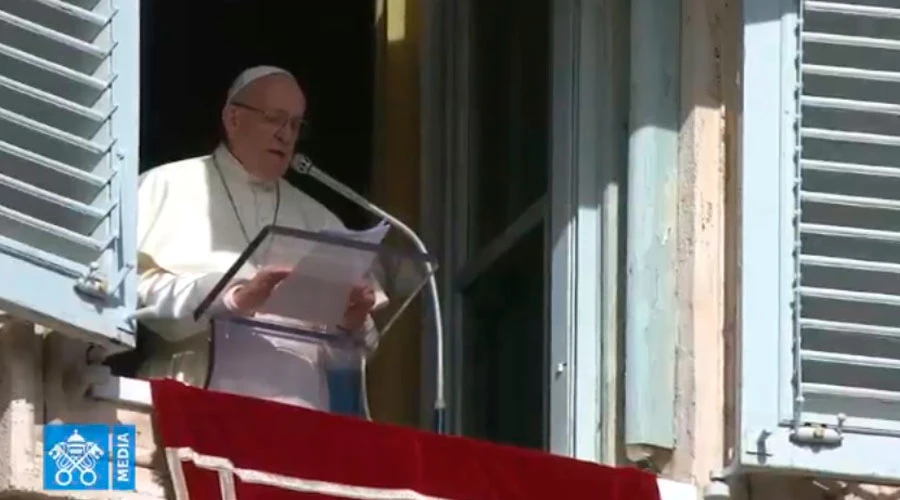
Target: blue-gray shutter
<point>69,94</point>
<point>820,330</point>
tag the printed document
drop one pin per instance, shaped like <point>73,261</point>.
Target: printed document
<point>318,289</point>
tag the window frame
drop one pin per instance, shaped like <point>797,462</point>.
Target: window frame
<point>767,158</point>
<point>581,212</point>
<point>34,291</point>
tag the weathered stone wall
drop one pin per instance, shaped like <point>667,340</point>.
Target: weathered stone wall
<point>42,380</point>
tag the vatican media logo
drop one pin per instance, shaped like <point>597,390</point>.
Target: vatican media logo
<point>79,457</point>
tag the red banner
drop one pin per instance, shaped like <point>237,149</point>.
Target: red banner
<point>231,447</point>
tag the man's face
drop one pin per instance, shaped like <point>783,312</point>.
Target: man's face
<point>263,122</point>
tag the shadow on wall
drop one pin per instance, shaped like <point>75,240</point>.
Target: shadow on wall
<point>686,162</point>
<point>394,376</point>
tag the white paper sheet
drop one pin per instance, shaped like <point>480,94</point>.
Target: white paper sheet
<point>318,288</point>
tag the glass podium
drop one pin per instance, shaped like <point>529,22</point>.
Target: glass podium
<point>297,348</point>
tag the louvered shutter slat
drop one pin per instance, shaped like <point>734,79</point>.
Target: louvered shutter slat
<point>890,332</point>
<point>68,171</point>
<point>851,105</point>
<point>46,106</point>
<point>849,393</point>
<point>851,41</point>
<point>859,9</point>
<point>64,168</point>
<point>52,77</point>
<point>847,315</point>
<point>844,263</point>
<point>82,209</point>
<point>850,168</point>
<point>849,232</point>
<point>857,73</point>
<point>63,16</point>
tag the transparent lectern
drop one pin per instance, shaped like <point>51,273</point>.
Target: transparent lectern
<point>298,348</point>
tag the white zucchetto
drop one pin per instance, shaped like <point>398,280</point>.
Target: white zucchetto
<point>250,75</point>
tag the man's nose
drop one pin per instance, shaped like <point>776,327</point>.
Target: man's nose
<point>283,134</point>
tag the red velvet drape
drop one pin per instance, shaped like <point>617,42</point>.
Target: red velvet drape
<point>271,437</point>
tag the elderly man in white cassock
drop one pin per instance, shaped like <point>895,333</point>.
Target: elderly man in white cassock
<point>196,216</point>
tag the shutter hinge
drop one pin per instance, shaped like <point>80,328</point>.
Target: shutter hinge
<point>821,435</point>
<point>95,285</point>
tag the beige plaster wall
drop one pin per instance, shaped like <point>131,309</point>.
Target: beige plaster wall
<point>701,244</point>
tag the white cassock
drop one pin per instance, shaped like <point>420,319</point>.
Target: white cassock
<point>188,236</point>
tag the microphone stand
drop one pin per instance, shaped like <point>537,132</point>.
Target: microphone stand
<point>303,165</point>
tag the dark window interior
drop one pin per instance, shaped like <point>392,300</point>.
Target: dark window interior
<point>191,51</point>
<point>504,308</point>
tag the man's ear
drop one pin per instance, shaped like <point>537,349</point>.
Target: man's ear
<point>229,118</point>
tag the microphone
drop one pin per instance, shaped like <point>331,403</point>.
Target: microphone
<point>303,165</point>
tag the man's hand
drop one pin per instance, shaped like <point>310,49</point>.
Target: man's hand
<point>362,300</point>
<point>250,296</point>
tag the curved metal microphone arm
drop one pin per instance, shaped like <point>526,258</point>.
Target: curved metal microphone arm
<point>303,165</point>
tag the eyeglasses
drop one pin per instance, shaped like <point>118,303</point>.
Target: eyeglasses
<point>278,119</point>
